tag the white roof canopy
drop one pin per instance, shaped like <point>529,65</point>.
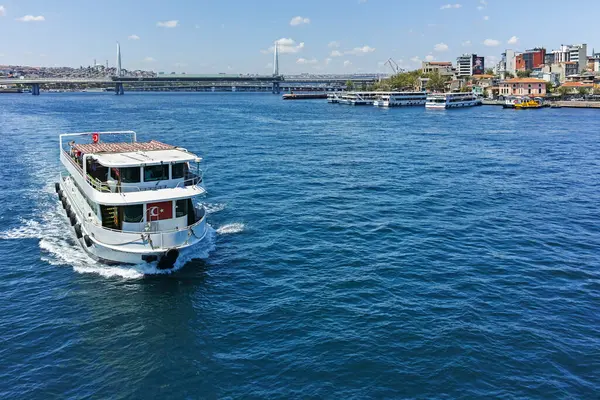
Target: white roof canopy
<point>141,158</point>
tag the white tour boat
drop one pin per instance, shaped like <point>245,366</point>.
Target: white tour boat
<point>452,100</point>
<point>399,99</point>
<point>333,97</point>
<point>358,98</point>
<point>131,202</point>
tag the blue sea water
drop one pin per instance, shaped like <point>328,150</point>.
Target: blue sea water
<point>356,253</point>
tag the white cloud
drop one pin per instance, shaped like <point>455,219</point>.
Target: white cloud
<point>305,61</point>
<point>466,43</point>
<point>133,37</point>
<point>440,47</point>
<point>491,42</point>
<point>31,18</point>
<point>480,8</point>
<point>429,57</point>
<point>334,44</point>
<point>299,21</point>
<point>357,51</point>
<point>415,59</point>
<point>285,46</point>
<point>149,59</point>
<point>486,18</point>
<point>168,24</point>
<point>448,6</point>
<point>347,63</point>
<point>2,11</point>
<point>336,53</point>
<point>484,2</point>
<point>513,40</point>
<point>327,61</point>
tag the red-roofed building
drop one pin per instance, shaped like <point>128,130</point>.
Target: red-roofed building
<point>575,87</point>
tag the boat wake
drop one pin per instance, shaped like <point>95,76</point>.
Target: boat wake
<point>236,227</point>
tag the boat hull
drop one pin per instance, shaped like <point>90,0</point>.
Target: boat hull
<point>113,247</point>
<point>461,104</point>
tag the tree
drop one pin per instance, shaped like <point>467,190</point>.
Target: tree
<point>349,85</point>
<point>582,91</point>
<point>597,90</point>
<point>563,91</point>
<point>508,74</point>
<point>524,74</point>
<point>489,71</point>
<point>549,87</point>
<point>437,82</point>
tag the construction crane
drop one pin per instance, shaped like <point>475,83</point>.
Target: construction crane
<point>394,66</point>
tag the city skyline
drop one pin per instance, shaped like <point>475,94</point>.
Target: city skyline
<point>334,37</point>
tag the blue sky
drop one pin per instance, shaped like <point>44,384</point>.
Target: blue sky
<point>321,36</point>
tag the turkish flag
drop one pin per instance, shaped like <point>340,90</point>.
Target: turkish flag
<point>158,211</point>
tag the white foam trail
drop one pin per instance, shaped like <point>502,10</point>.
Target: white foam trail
<point>29,229</point>
<point>236,227</point>
<point>214,208</point>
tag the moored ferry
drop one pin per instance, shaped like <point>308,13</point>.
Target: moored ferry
<point>452,100</point>
<point>359,98</point>
<point>131,202</point>
<point>399,99</point>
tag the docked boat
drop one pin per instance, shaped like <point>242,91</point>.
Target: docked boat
<point>400,99</point>
<point>359,98</point>
<point>452,100</point>
<point>531,104</point>
<point>511,101</point>
<point>333,97</point>
<point>131,202</point>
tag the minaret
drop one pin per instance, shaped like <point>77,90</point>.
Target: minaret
<point>118,59</point>
<point>276,60</point>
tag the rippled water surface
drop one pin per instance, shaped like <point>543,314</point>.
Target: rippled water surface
<point>355,253</point>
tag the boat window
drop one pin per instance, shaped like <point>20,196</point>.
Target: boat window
<point>130,175</point>
<point>133,213</point>
<point>156,173</point>
<point>177,171</point>
<point>181,208</point>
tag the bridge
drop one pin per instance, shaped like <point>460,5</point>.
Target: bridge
<point>200,82</point>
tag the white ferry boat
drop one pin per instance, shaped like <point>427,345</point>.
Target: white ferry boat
<point>128,201</point>
<point>452,100</point>
<point>399,99</point>
<point>333,97</point>
<point>358,98</point>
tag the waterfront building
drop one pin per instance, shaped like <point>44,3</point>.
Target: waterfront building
<point>530,59</point>
<point>444,68</point>
<point>469,65</point>
<point>571,53</point>
<point>575,87</point>
<point>522,87</point>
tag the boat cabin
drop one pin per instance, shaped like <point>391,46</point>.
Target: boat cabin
<point>138,166</point>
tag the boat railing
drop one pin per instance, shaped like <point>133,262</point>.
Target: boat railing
<point>191,179</point>
<point>156,239</point>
